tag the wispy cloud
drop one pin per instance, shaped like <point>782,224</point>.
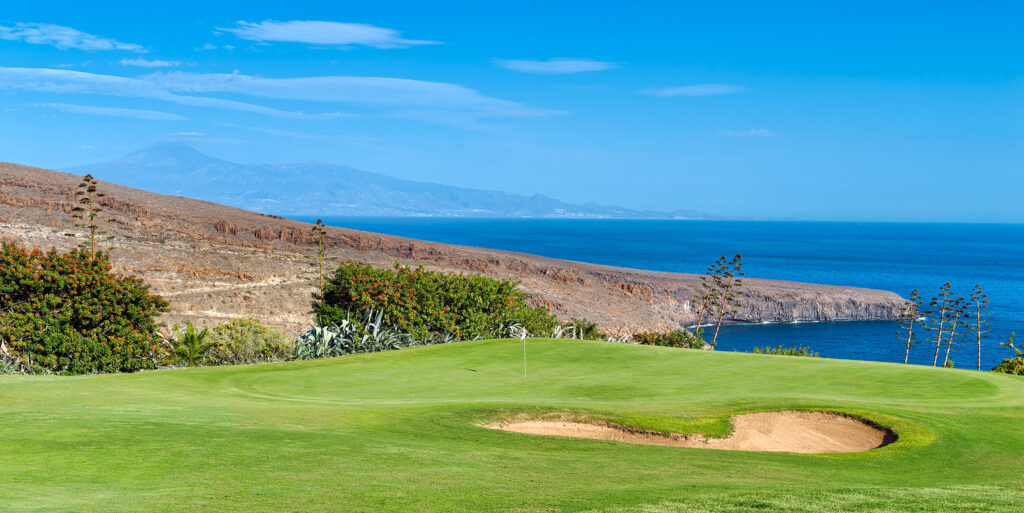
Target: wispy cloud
<point>374,91</point>
<point>389,94</point>
<point>694,90</point>
<point>752,132</point>
<point>555,66</point>
<point>62,37</point>
<point>143,63</point>
<point>323,33</point>
<point>117,112</point>
<point>79,82</point>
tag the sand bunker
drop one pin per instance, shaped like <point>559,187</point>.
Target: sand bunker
<point>779,431</point>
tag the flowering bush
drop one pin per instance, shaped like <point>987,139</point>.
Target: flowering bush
<point>68,313</point>
<point>426,304</point>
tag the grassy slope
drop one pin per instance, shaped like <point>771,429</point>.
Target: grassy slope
<point>396,431</point>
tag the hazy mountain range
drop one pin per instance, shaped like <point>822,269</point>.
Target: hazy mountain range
<point>314,189</point>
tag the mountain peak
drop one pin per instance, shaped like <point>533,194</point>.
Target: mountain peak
<point>170,153</point>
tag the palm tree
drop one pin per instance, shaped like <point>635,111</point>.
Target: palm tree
<point>191,347</point>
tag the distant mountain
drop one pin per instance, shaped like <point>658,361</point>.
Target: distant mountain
<point>329,189</point>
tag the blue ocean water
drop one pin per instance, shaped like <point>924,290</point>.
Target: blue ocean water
<point>890,256</point>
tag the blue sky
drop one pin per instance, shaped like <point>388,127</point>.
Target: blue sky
<point>866,111</point>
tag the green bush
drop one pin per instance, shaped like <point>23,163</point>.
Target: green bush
<point>428,304</point>
<point>68,313</point>
<point>676,338</point>
<point>786,351</point>
<point>1013,366</point>
<point>247,341</point>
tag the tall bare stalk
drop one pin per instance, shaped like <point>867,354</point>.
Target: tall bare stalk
<point>911,312</point>
<point>941,301</point>
<point>979,320</point>
<point>729,283</point>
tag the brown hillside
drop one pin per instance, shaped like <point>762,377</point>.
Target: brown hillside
<point>214,262</point>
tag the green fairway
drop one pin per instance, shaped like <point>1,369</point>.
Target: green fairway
<point>399,431</point>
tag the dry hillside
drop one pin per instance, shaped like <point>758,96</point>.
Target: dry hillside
<point>214,262</point>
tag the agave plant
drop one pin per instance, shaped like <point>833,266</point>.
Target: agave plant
<point>369,335</point>
<point>625,339</point>
<point>511,330</point>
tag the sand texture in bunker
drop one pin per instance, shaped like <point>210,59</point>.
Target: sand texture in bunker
<point>779,431</point>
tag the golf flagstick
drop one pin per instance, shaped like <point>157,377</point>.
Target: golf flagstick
<point>524,354</point>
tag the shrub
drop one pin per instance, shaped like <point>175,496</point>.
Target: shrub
<point>676,338</point>
<point>351,336</point>
<point>428,304</point>
<point>1013,366</point>
<point>247,341</point>
<point>786,351</point>
<point>68,313</point>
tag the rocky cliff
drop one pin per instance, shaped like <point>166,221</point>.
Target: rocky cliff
<point>215,262</point>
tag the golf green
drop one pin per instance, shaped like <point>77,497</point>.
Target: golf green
<point>401,431</point>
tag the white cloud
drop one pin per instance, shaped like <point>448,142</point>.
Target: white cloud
<point>378,91</point>
<point>143,63</point>
<point>85,147</point>
<point>752,132</point>
<point>117,112</point>
<point>694,90</point>
<point>394,94</point>
<point>555,66</point>
<point>79,82</point>
<point>62,37</point>
<point>323,33</point>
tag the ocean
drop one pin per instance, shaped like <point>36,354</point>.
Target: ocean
<point>891,256</point>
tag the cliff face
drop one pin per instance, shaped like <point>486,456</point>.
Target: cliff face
<point>215,262</point>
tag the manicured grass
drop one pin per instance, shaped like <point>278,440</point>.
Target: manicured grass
<point>399,431</point>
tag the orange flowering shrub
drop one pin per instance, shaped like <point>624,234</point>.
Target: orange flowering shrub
<point>68,313</point>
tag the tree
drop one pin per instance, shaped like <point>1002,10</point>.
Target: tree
<point>68,313</point>
<point>939,306</point>
<point>705,297</point>
<point>978,314</point>
<point>318,237</point>
<point>956,320</point>
<point>728,280</point>
<point>911,312</point>
<point>90,204</point>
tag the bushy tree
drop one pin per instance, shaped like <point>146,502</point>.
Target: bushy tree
<point>68,313</point>
<point>427,303</point>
